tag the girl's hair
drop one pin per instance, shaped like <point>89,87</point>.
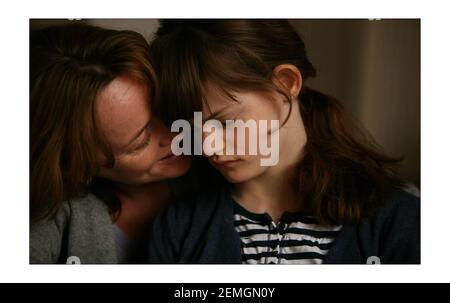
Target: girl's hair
<point>344,174</point>
<point>70,65</point>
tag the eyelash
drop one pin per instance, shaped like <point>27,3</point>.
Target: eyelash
<point>223,121</point>
<point>145,144</point>
<point>142,146</point>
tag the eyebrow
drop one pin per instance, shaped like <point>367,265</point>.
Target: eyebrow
<point>216,114</point>
<point>139,133</point>
<point>219,112</point>
<point>213,116</point>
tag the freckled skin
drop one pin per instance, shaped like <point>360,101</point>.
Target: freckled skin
<point>123,109</point>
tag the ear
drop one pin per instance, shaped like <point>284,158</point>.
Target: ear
<point>288,76</point>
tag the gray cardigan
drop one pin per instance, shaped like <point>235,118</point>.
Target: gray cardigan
<point>82,228</point>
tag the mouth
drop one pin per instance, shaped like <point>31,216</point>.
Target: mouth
<point>226,163</point>
<point>168,158</point>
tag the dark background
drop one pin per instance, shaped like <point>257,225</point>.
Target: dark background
<point>372,66</point>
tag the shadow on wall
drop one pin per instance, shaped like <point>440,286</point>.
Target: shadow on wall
<point>373,67</point>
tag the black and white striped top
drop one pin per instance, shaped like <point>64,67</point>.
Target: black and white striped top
<point>296,239</point>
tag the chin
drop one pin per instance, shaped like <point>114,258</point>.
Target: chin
<point>243,172</point>
<point>238,176</point>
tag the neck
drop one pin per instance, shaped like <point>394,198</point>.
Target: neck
<point>139,206</point>
<point>276,190</point>
<point>273,193</point>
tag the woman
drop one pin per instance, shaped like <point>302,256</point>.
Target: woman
<point>96,145</point>
<point>333,196</point>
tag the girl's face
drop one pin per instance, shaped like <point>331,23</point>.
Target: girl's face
<point>251,106</point>
<point>139,141</point>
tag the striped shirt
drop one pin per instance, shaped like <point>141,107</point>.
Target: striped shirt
<point>295,239</point>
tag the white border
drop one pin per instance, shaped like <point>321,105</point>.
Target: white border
<point>14,135</point>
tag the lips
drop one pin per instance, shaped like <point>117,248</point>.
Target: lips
<point>168,158</point>
<point>169,155</point>
<point>225,162</point>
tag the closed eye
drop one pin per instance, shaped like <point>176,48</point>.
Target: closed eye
<point>144,144</point>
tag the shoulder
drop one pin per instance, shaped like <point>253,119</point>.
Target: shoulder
<point>78,222</point>
<point>401,208</point>
<point>86,205</point>
<point>89,207</point>
<point>393,232</point>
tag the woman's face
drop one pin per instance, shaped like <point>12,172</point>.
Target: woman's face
<point>250,106</point>
<point>139,141</point>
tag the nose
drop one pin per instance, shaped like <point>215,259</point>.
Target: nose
<point>216,143</point>
<point>165,136</point>
<point>212,150</point>
<point>166,139</point>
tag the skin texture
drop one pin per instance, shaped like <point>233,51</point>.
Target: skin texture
<point>260,189</point>
<point>141,146</point>
<point>139,140</point>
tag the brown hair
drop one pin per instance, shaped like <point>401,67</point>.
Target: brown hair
<point>69,66</point>
<point>344,174</point>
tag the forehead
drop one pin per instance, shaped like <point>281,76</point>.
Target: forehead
<point>216,100</point>
<point>123,108</point>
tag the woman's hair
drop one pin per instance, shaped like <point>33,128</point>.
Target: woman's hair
<point>344,174</point>
<point>69,66</point>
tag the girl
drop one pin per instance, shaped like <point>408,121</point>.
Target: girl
<point>96,145</point>
<point>333,196</point>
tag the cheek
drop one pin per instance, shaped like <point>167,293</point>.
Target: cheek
<point>253,167</point>
<point>130,169</point>
<point>177,167</point>
<point>137,164</point>
<point>249,168</point>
